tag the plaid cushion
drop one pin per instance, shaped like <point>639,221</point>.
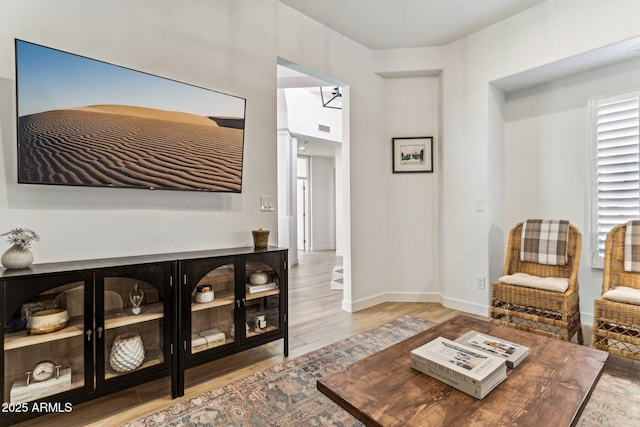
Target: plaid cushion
<point>545,241</point>
<point>632,247</point>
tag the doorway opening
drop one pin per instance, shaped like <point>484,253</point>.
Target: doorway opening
<point>312,166</point>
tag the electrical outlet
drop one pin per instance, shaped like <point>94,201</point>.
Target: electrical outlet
<point>480,282</point>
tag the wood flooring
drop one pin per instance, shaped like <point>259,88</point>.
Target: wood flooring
<point>316,319</point>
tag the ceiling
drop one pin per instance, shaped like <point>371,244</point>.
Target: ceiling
<point>310,146</point>
<point>394,24</point>
<point>376,23</point>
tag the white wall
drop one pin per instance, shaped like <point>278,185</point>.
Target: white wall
<point>548,156</point>
<point>301,112</point>
<point>411,199</point>
<point>198,45</point>
<point>530,46</point>
<point>339,211</point>
<point>323,208</point>
<point>542,35</point>
<point>305,114</point>
<point>287,192</point>
<point>233,46</point>
<point>230,46</point>
<point>363,131</point>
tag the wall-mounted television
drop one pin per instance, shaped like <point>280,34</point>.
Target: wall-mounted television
<point>86,122</point>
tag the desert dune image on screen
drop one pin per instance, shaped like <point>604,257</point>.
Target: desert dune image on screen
<point>86,122</point>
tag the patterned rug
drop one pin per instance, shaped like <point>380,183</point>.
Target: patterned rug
<point>286,395</point>
<point>614,401</point>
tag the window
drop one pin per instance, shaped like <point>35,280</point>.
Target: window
<point>616,180</point>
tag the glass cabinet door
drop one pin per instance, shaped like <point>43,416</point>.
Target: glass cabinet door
<point>44,338</point>
<point>262,293</point>
<point>132,320</point>
<point>212,303</point>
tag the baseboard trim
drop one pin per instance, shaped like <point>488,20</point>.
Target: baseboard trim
<point>414,297</point>
<point>456,304</point>
<point>353,306</point>
<point>466,306</point>
<point>323,248</point>
<point>293,261</point>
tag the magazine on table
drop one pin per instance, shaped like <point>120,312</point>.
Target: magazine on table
<point>512,353</point>
<point>458,360</point>
<point>477,391</point>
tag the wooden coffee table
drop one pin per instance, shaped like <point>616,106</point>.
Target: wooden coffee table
<point>550,388</point>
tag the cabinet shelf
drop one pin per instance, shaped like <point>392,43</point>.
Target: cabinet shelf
<point>152,362</point>
<point>221,298</point>
<point>74,328</point>
<point>149,312</point>
<point>21,339</point>
<point>209,346</point>
<point>269,328</point>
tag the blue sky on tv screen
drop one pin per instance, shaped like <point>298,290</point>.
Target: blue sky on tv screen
<point>49,79</point>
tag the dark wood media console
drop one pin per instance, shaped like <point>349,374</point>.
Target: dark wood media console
<point>114,323</point>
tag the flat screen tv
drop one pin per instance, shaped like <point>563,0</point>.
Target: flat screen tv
<point>86,122</point>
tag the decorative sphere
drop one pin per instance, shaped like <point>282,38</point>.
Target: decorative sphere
<point>258,278</point>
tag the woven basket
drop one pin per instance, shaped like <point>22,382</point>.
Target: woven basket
<point>127,352</point>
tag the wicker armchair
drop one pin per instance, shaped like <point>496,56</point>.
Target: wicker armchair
<point>616,325</point>
<point>550,313</point>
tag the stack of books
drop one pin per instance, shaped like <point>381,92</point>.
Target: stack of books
<point>513,354</point>
<point>460,366</point>
<point>22,392</point>
<point>204,340</point>
<point>252,289</point>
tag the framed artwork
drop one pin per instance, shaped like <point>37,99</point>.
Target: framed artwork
<point>413,154</point>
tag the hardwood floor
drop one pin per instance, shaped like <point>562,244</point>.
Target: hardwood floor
<point>315,320</point>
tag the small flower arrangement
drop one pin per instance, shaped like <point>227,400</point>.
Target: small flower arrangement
<point>22,237</point>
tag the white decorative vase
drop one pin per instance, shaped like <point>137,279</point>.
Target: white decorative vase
<point>258,278</point>
<point>16,258</point>
<point>127,352</point>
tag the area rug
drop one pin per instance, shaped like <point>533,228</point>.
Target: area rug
<point>286,395</point>
<point>336,278</point>
<point>614,401</point>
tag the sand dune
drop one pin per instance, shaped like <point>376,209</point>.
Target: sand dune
<point>142,150</point>
<point>149,113</point>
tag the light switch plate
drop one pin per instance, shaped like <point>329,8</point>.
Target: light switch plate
<point>267,203</point>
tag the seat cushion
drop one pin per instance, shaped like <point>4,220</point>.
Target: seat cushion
<point>623,294</point>
<point>555,284</point>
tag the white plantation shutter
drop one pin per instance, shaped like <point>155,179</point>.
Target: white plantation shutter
<point>616,124</point>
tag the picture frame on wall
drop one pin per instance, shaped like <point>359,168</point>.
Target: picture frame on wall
<point>413,154</point>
